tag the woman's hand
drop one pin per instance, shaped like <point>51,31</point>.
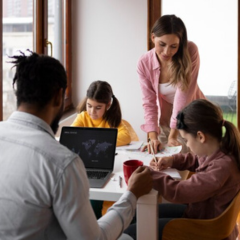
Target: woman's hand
<point>153,140</point>
<point>173,142</point>
<point>172,138</point>
<point>162,163</point>
<point>156,145</point>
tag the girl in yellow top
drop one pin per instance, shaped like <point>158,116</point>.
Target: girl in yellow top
<point>101,108</point>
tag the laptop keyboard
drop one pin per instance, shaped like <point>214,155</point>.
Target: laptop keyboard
<point>96,174</point>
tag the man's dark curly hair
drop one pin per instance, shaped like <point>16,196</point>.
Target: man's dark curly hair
<point>37,78</point>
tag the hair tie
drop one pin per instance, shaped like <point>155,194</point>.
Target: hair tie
<point>180,121</point>
<point>223,123</point>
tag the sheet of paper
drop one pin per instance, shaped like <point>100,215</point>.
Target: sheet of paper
<point>146,158</point>
<point>134,145</point>
<point>169,151</point>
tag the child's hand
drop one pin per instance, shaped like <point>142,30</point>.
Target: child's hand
<point>162,163</point>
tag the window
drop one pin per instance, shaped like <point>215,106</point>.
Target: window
<point>207,33</point>
<point>27,26</point>
<point>205,24</point>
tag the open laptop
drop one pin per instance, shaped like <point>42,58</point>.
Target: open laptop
<point>96,147</point>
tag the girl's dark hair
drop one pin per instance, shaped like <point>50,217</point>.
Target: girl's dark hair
<point>202,115</point>
<point>101,91</point>
<point>38,78</point>
<point>181,61</point>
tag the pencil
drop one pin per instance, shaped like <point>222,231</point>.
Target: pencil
<point>152,152</point>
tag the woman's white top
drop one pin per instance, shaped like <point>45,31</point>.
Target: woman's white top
<point>167,91</point>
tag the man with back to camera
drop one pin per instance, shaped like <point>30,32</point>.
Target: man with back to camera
<point>44,191</point>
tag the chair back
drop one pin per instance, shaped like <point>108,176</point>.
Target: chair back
<point>133,135</point>
<point>207,229</point>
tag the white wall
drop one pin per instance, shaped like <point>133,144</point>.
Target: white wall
<point>110,35</point>
<point>108,38</point>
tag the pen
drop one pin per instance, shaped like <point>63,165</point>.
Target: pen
<point>152,151</point>
<point>120,181</point>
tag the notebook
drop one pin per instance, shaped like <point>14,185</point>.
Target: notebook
<point>96,147</point>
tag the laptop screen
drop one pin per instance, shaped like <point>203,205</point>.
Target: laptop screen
<point>95,146</point>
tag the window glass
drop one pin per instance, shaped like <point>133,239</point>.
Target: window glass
<point>17,36</point>
<point>56,30</point>
<point>213,27</point>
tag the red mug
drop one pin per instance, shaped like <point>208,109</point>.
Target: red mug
<point>129,167</point>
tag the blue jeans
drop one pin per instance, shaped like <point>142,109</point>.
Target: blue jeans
<point>166,212</point>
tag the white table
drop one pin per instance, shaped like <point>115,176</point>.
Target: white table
<point>147,205</point>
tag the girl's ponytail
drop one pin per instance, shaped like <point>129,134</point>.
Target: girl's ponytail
<point>114,115</point>
<point>231,141</point>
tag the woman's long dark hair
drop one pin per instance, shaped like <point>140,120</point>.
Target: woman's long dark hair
<point>181,66</point>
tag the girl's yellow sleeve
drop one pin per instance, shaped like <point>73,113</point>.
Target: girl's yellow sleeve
<point>123,137</point>
<point>79,121</point>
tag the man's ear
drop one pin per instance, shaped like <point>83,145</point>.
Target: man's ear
<point>201,136</point>
<point>58,98</point>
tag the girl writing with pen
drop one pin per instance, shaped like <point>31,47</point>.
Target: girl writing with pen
<point>101,108</point>
<point>215,159</point>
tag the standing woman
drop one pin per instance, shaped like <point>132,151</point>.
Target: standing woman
<point>168,80</point>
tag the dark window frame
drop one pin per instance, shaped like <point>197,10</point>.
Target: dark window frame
<point>41,40</point>
<point>40,37</point>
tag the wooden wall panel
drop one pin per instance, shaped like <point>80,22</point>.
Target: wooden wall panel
<point>154,12</point>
